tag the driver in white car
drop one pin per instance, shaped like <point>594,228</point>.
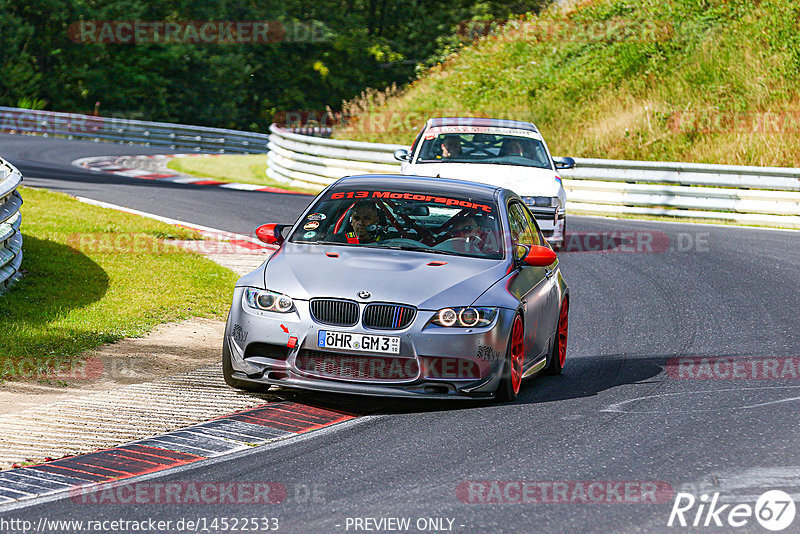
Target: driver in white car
<point>512,147</point>
<point>451,147</point>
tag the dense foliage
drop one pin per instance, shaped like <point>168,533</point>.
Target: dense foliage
<point>326,51</point>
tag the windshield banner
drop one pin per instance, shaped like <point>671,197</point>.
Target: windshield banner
<point>411,196</point>
<point>518,132</point>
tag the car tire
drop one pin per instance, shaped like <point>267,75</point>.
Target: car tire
<point>511,379</point>
<point>227,372</point>
<point>558,355</point>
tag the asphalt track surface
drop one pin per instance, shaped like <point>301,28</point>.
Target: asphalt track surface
<point>615,415</point>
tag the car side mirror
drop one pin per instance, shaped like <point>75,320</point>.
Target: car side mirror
<point>539,256</point>
<point>271,233</point>
<point>402,155</point>
<point>564,163</point>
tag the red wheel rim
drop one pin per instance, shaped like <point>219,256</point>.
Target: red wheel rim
<point>517,353</point>
<point>563,326</point>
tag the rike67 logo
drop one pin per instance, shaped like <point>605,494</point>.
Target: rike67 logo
<point>774,510</point>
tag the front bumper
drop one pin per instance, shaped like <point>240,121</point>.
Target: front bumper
<point>551,222</point>
<point>274,349</point>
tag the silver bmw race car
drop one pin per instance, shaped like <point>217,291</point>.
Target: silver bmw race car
<point>401,286</point>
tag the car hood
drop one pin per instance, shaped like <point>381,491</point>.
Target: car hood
<point>524,181</point>
<point>308,271</point>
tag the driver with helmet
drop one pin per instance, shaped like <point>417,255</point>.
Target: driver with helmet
<point>364,218</point>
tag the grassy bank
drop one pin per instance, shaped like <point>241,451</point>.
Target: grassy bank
<point>246,169</point>
<point>94,276</point>
<point>711,81</point>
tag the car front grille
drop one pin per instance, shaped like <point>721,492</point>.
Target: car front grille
<point>346,366</point>
<point>388,316</point>
<point>335,312</point>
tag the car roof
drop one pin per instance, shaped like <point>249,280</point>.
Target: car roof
<point>428,184</point>
<point>481,122</point>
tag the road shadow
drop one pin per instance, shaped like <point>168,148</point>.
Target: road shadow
<point>582,377</point>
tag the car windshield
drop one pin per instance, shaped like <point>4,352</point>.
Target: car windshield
<point>435,223</point>
<point>522,148</point>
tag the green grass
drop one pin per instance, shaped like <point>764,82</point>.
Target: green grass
<point>246,169</point>
<point>712,81</point>
<point>93,276</point>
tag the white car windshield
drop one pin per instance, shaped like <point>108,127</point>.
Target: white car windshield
<point>426,222</point>
<point>494,149</point>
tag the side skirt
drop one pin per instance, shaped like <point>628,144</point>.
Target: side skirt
<point>537,366</point>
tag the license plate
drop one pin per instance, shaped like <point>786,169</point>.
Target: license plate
<point>359,342</point>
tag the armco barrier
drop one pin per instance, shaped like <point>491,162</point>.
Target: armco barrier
<point>160,134</point>
<point>10,219</point>
<point>749,195</point>
<point>308,161</point>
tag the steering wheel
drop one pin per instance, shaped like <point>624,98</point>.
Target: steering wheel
<point>476,241</point>
<point>459,244</point>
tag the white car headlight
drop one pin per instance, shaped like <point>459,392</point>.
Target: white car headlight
<point>260,299</point>
<point>467,317</point>
<point>542,202</point>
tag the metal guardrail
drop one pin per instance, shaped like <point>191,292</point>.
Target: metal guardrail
<point>160,134</point>
<point>752,195</point>
<point>315,162</point>
<point>749,195</point>
<point>10,219</point>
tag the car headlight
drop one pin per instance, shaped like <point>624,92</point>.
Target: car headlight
<point>464,317</point>
<point>542,202</point>
<point>267,300</point>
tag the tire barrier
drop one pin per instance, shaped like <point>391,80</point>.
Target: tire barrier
<point>10,220</point>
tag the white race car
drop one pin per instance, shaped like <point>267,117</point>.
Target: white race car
<point>506,153</point>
